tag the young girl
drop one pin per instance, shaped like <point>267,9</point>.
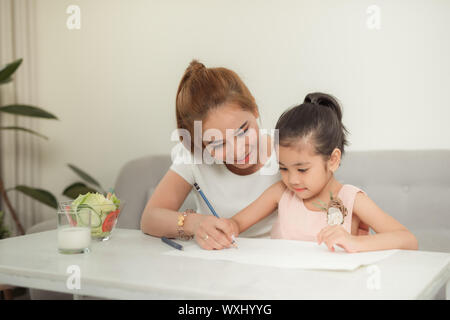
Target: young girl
<point>312,204</point>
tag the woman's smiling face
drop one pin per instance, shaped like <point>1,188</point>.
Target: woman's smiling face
<point>230,135</point>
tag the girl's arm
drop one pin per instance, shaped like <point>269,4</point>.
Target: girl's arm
<point>266,203</point>
<point>160,215</point>
<point>390,234</point>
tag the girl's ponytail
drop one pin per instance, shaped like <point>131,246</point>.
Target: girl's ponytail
<point>318,117</point>
<point>325,100</point>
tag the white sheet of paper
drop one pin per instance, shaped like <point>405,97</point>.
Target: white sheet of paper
<point>285,254</point>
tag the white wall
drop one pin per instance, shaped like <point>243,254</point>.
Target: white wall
<point>113,82</point>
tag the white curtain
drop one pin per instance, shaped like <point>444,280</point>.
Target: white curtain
<point>20,157</point>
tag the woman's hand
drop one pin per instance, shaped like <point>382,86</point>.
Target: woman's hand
<point>213,233</point>
<point>337,235</point>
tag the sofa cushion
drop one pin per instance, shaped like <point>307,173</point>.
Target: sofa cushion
<point>46,225</point>
<point>411,186</point>
<point>433,239</point>
<point>135,180</point>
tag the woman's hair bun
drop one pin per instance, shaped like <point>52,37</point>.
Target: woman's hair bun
<point>194,66</point>
<point>325,100</point>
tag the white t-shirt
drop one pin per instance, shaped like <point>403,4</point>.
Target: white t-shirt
<point>227,192</point>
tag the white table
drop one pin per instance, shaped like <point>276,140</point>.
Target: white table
<point>130,266</point>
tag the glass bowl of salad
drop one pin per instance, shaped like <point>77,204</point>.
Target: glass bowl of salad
<point>103,211</point>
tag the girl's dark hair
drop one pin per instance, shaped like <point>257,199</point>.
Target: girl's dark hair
<point>319,117</point>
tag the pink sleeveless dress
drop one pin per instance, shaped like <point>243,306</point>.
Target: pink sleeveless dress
<point>296,222</point>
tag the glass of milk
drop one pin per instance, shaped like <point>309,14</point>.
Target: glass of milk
<point>74,231</point>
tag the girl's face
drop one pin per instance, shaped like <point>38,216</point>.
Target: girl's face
<point>303,171</point>
<point>230,135</point>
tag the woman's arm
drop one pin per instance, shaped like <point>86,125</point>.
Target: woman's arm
<point>391,234</point>
<point>266,203</point>
<point>160,215</point>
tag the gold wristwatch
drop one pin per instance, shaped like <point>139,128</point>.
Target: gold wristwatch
<point>180,225</point>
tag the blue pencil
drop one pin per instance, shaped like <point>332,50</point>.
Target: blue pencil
<point>197,187</point>
<point>172,243</point>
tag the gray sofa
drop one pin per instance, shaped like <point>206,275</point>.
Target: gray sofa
<point>412,186</point>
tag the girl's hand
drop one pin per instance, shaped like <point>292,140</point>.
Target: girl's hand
<point>213,233</point>
<point>337,235</point>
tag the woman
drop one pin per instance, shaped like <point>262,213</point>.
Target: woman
<point>222,151</point>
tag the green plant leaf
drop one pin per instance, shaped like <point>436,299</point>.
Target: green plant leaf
<point>77,188</point>
<point>7,71</point>
<point>27,111</point>
<point>26,130</point>
<point>6,81</point>
<point>83,175</point>
<point>40,195</point>
<point>4,232</point>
